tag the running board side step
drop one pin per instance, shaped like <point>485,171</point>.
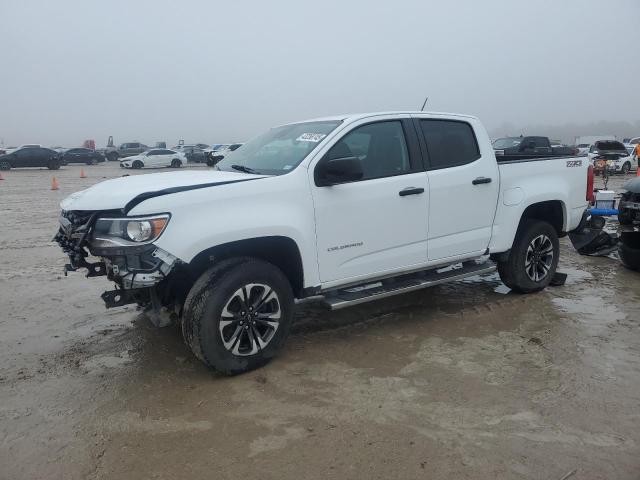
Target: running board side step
<point>403,284</point>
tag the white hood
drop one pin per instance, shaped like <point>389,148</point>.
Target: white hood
<point>116,193</point>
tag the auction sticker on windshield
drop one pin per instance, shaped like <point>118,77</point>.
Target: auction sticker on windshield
<point>311,137</point>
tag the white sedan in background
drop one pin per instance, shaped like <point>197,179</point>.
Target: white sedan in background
<point>156,157</point>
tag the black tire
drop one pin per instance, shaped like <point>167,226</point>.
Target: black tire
<point>4,165</point>
<point>629,250</point>
<point>137,164</point>
<point>514,271</point>
<point>176,163</point>
<point>112,156</point>
<point>54,164</point>
<point>625,216</point>
<point>626,168</point>
<point>210,163</point>
<point>92,161</point>
<point>216,291</point>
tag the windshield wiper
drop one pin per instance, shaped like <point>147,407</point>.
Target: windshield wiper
<point>244,169</point>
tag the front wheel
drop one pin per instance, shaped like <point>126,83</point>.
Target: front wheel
<point>533,259</point>
<point>176,163</point>
<point>137,164</point>
<point>238,314</point>
<point>626,168</point>
<point>4,165</point>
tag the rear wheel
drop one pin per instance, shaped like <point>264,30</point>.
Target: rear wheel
<point>238,314</point>
<point>533,259</point>
<point>176,163</point>
<point>4,165</point>
<point>54,164</point>
<point>92,161</point>
<point>137,164</point>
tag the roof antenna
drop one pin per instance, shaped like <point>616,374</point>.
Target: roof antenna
<point>424,104</point>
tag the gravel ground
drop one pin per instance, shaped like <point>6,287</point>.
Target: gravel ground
<point>459,381</point>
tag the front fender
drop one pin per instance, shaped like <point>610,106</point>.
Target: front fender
<point>267,207</point>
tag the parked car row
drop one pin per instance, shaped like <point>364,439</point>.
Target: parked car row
<point>131,155</point>
<point>605,153</point>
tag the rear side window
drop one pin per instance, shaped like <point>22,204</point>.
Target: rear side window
<point>450,143</point>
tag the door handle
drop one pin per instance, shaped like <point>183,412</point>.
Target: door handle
<point>480,180</point>
<point>410,191</point>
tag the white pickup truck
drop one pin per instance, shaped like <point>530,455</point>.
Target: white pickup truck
<point>341,210</point>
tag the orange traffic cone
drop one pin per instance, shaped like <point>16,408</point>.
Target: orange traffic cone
<point>54,184</point>
<point>82,175</point>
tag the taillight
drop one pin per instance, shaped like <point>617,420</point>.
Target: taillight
<point>590,178</point>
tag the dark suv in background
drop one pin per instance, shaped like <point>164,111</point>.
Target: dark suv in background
<point>131,148</point>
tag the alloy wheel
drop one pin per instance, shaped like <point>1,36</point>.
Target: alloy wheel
<point>250,319</point>
<point>539,258</point>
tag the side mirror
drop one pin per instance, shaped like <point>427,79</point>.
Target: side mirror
<point>338,170</point>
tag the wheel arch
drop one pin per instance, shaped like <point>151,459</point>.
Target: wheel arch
<point>281,251</point>
<point>550,211</point>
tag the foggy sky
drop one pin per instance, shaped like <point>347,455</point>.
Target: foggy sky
<point>206,71</point>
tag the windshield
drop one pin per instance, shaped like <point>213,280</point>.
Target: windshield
<point>279,150</point>
<point>507,142</point>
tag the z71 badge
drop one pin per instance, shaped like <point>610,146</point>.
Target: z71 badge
<point>574,163</point>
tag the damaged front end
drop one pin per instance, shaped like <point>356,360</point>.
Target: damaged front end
<point>126,255</point>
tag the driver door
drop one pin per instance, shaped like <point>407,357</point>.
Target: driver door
<point>377,224</point>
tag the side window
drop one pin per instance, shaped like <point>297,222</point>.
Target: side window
<point>381,147</point>
<point>541,142</point>
<point>450,143</point>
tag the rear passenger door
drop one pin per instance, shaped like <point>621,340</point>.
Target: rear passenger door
<point>165,157</point>
<point>463,188</point>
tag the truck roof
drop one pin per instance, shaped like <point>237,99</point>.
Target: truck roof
<point>351,117</point>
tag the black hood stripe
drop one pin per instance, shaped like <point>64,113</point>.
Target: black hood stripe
<point>168,191</point>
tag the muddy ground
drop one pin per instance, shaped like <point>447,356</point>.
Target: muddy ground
<point>459,381</point>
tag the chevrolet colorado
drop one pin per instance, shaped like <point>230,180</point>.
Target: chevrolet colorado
<point>341,210</point>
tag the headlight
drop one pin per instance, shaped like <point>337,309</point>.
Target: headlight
<point>128,231</point>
